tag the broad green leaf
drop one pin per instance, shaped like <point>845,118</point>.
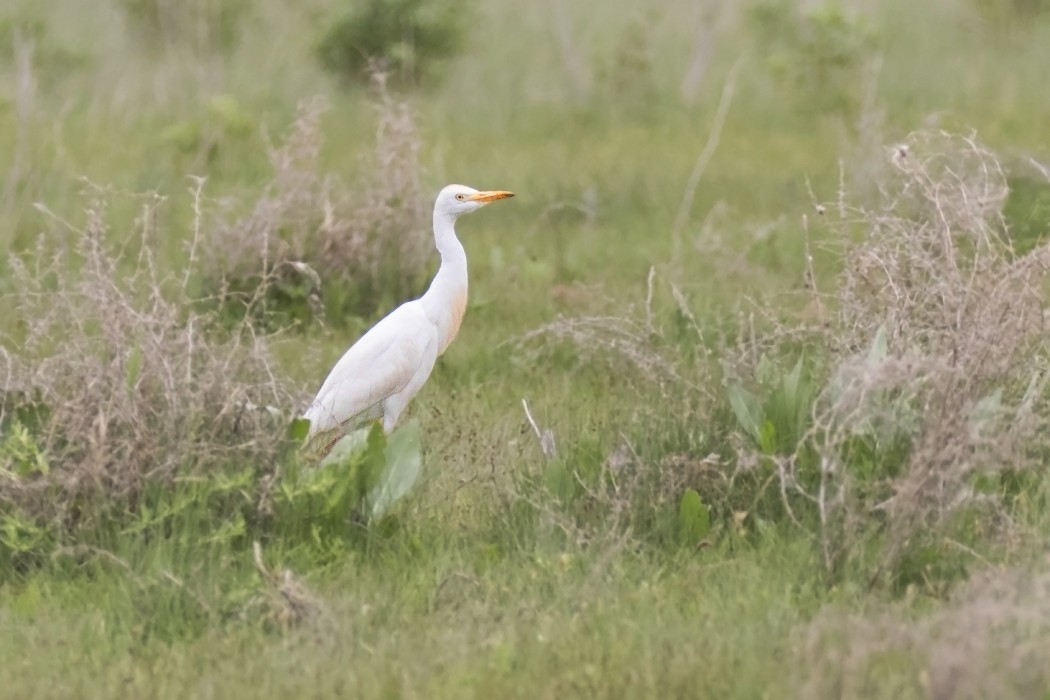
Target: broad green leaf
<point>767,437</point>
<point>791,384</point>
<point>404,462</point>
<point>694,518</point>
<point>879,347</point>
<point>134,367</point>
<point>747,410</point>
<point>20,450</point>
<point>374,459</point>
<point>298,429</point>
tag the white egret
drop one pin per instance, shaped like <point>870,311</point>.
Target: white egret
<point>381,372</point>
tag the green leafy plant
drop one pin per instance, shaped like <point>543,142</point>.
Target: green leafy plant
<point>362,477</point>
<point>626,76</point>
<point>223,121</point>
<point>936,397</point>
<point>403,463</point>
<point>1027,211</point>
<point>406,39</point>
<point>775,416</point>
<point>24,467</point>
<point>22,539</point>
<point>817,52</point>
<point>20,455</point>
<point>117,386</point>
<point>316,509</point>
<point>694,518</point>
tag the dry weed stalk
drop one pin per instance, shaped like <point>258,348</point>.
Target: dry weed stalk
<point>992,640</point>
<point>935,345</point>
<point>122,379</point>
<point>367,236</point>
<point>286,599</point>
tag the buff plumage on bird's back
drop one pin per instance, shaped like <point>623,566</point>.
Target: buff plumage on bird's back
<point>377,377</point>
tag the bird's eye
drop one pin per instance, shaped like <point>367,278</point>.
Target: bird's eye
<point>461,196</point>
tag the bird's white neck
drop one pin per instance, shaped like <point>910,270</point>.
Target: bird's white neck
<point>446,300</point>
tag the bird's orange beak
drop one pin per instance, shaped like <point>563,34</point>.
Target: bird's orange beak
<point>492,196</point>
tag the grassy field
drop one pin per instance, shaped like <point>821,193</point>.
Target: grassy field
<point>773,280</point>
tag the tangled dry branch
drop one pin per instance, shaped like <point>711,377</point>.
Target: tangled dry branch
<point>990,640</point>
<point>120,377</point>
<point>365,238</point>
<point>936,346</point>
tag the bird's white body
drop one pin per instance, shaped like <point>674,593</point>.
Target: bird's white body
<point>377,377</point>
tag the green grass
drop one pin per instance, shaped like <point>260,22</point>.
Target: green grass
<point>454,620</point>
<point>499,575</point>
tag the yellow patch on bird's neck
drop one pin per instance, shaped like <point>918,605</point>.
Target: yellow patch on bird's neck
<point>458,308</point>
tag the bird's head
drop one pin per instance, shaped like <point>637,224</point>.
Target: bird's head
<point>454,200</point>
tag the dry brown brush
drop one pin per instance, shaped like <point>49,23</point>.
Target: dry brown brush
<point>991,640</point>
<point>366,239</point>
<point>113,376</point>
<point>920,400</point>
<point>934,334</point>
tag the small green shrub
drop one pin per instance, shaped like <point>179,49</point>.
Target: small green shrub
<point>188,555</point>
<point>936,394</point>
<point>694,518</point>
<point>918,414</point>
<point>116,381</point>
<point>777,416</point>
<point>223,122</point>
<point>365,472</point>
<point>20,455</point>
<point>1027,211</point>
<point>406,39</point>
<point>816,53</point>
<point>626,78</point>
<point>305,509</point>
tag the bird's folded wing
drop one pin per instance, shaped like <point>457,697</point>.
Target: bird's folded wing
<point>377,366</point>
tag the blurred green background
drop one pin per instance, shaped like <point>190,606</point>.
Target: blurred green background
<point>666,158</point>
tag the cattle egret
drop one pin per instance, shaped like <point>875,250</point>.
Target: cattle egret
<point>382,371</point>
